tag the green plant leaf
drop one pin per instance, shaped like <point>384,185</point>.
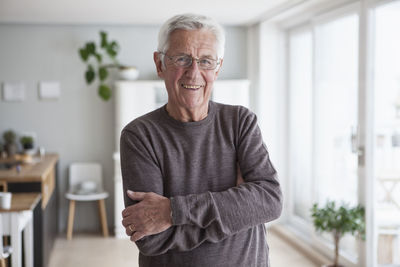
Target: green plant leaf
<point>90,74</point>
<point>103,73</point>
<point>84,54</point>
<point>112,49</point>
<point>99,58</point>
<point>91,48</point>
<point>104,92</point>
<point>103,37</point>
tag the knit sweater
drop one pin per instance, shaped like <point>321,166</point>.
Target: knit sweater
<point>216,223</point>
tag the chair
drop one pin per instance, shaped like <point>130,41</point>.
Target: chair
<point>80,176</point>
<point>5,251</point>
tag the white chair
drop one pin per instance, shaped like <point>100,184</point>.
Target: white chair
<point>86,184</point>
<point>5,251</point>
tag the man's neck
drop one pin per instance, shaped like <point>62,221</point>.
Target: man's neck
<point>187,115</point>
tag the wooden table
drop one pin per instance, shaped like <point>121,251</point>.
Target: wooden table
<point>17,219</point>
<point>40,170</point>
<point>40,177</point>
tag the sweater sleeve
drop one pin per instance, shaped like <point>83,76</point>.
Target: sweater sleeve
<point>210,216</point>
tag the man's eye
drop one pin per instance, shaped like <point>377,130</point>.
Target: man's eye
<point>205,61</point>
<point>182,59</point>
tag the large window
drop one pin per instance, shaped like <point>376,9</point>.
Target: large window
<point>338,104</point>
<point>387,132</point>
<point>322,117</point>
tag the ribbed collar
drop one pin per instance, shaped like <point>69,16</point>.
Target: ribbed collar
<point>174,122</point>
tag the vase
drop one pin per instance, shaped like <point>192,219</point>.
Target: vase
<point>128,73</point>
<point>11,149</point>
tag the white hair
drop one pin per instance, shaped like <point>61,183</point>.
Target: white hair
<point>191,22</point>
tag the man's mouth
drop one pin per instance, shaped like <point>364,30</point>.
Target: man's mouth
<point>191,86</point>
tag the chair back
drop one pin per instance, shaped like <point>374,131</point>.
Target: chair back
<point>85,172</point>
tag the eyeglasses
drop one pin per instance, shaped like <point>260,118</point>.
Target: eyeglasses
<point>185,61</point>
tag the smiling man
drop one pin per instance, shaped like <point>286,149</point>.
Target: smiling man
<point>198,180</point>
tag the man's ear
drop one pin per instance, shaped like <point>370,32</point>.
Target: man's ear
<point>159,64</point>
<point>219,68</point>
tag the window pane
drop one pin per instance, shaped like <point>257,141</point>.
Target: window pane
<point>336,109</point>
<point>300,128</point>
<point>335,114</point>
<point>387,130</point>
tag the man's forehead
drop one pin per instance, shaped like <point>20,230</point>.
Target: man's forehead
<point>183,41</point>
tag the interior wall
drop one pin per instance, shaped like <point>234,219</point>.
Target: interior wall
<point>79,126</point>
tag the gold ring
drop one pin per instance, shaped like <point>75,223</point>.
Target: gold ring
<point>130,228</point>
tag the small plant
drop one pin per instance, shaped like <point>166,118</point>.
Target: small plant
<point>26,142</point>
<point>96,67</point>
<point>9,137</point>
<point>9,142</point>
<point>339,221</point>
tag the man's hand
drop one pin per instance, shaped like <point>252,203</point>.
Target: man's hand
<point>152,215</point>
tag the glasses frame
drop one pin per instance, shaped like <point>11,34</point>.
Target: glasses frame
<point>172,58</point>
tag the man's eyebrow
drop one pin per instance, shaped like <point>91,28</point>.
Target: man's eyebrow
<point>202,56</point>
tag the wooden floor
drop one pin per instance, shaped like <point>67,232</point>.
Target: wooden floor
<point>94,250</point>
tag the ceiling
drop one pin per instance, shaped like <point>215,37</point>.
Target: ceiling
<point>151,12</point>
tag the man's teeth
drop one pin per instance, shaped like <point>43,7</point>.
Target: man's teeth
<point>191,86</point>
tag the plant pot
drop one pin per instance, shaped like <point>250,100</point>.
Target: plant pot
<point>30,151</point>
<point>28,146</point>
<point>11,149</point>
<point>128,73</point>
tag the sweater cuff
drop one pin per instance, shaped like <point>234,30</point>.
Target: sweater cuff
<point>180,210</point>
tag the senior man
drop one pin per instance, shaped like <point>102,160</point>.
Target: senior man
<point>198,180</point>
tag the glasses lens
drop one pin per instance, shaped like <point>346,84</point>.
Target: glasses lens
<point>207,63</point>
<point>183,61</point>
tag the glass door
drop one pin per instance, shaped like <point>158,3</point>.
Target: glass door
<point>336,115</point>
<point>387,133</point>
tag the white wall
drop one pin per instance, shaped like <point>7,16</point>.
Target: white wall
<point>80,126</point>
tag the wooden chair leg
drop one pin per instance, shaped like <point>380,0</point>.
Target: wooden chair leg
<point>71,219</point>
<point>103,217</point>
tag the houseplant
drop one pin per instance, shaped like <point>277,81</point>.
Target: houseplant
<point>100,60</point>
<point>339,221</point>
<point>26,142</point>
<point>9,142</point>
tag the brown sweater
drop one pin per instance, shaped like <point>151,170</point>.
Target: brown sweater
<point>215,222</point>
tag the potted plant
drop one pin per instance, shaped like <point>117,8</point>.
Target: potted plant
<point>339,221</point>
<point>9,142</point>
<point>98,66</point>
<point>26,142</point>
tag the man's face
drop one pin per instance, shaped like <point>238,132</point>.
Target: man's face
<point>190,87</point>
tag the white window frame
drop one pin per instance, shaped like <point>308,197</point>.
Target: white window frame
<point>274,30</point>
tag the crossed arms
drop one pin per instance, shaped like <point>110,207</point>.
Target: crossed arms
<point>197,218</point>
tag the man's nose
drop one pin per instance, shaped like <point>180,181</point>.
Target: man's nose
<point>193,69</point>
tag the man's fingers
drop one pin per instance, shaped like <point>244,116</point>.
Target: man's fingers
<point>138,196</point>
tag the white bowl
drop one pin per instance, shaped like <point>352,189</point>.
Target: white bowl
<point>128,73</point>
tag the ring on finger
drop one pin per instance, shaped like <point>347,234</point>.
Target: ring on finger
<point>130,228</point>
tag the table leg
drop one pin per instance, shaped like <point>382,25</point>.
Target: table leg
<point>16,241</point>
<point>28,240</point>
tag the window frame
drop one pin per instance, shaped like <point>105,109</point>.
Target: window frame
<point>305,15</point>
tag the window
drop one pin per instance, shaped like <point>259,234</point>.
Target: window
<point>322,116</point>
<point>341,94</point>
<point>387,132</point>
<point>300,121</point>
